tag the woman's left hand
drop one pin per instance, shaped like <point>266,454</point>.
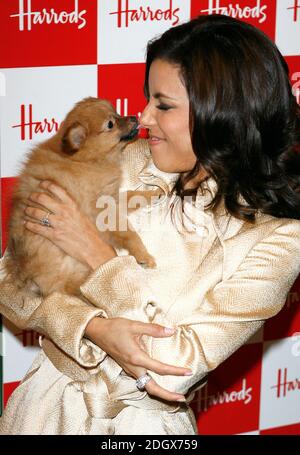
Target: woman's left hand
<point>71,230</point>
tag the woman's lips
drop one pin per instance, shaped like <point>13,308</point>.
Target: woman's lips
<point>153,140</point>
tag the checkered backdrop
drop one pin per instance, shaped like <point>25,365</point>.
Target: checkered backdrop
<point>55,52</point>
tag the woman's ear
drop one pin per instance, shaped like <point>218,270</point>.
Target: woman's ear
<point>73,138</point>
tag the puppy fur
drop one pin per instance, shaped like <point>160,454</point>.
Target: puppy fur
<point>83,157</point>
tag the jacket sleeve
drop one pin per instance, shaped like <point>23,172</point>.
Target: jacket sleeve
<point>61,318</point>
<point>225,319</point>
<point>64,318</point>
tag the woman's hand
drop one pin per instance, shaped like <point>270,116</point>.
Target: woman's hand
<point>78,237</point>
<point>71,230</point>
<point>120,337</point>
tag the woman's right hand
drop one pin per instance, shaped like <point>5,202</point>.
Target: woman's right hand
<point>119,338</point>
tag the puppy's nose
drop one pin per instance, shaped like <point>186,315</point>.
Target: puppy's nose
<point>133,120</point>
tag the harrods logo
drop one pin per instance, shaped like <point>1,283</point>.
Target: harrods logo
<point>48,16</point>
<point>285,386</point>
<point>31,127</point>
<point>28,127</point>
<point>205,401</point>
<point>28,337</point>
<point>125,14</point>
<point>240,12</point>
<point>122,106</point>
<point>295,9</point>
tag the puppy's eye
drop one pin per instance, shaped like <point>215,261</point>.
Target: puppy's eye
<point>110,124</point>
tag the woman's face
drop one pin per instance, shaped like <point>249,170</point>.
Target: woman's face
<point>167,118</point>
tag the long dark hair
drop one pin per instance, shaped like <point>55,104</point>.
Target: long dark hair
<point>244,118</point>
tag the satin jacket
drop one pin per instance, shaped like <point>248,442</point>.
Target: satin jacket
<point>217,285</point>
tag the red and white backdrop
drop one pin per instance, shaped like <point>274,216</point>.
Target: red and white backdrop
<point>55,52</point>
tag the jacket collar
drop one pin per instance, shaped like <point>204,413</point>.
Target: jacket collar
<point>226,226</point>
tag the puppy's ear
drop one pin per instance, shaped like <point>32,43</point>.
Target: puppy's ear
<point>74,138</point>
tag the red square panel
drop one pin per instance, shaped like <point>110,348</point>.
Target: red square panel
<point>123,84</point>
<point>260,13</point>
<point>8,389</point>
<point>294,67</point>
<point>7,185</point>
<point>229,403</point>
<point>288,429</point>
<point>48,33</point>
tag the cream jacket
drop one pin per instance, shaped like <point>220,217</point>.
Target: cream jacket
<point>217,285</point>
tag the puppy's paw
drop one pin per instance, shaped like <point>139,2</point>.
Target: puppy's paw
<point>148,263</point>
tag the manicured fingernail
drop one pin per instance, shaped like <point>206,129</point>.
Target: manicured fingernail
<point>169,330</point>
<point>188,373</point>
<point>182,400</point>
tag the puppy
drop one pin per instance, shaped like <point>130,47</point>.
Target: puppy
<point>84,158</point>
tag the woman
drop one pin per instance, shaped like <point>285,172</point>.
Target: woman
<point>224,129</point>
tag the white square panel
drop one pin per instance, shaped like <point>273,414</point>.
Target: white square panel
<point>125,26</point>
<point>280,398</point>
<point>16,358</point>
<point>287,35</point>
<point>36,101</point>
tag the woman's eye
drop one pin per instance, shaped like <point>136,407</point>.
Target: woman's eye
<point>110,125</point>
<point>163,107</point>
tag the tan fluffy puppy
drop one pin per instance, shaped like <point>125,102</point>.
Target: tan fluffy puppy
<point>83,157</point>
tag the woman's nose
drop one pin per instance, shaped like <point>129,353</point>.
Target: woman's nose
<point>146,119</point>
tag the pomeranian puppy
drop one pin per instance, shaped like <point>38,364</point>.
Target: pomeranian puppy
<point>84,158</point>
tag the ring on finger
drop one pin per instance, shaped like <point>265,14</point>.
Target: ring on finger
<point>45,220</point>
<point>142,381</point>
